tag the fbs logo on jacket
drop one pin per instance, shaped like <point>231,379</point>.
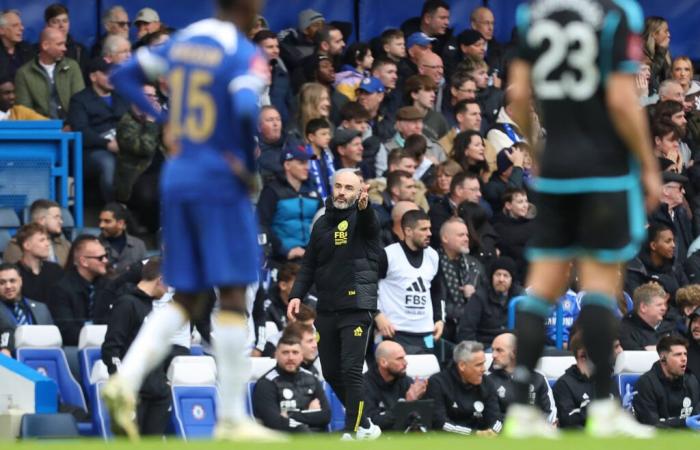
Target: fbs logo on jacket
<point>341,236</point>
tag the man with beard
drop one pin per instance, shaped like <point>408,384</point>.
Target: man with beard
<point>694,343</point>
<point>341,259</point>
<point>387,384</point>
<point>667,396</point>
<point>410,309</point>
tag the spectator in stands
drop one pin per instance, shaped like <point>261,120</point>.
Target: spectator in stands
<point>419,92</point>
<point>38,274</point>
<point>482,20</point>
<point>434,22</point>
<point>122,248</point>
<point>116,49</point>
<point>416,44</point>
<point>47,82</point>
<point>657,40</point>
<point>672,213</point>
<point>694,343</point>
<point>287,206</point>
<point>395,234</point>
<point>482,236</point>
<point>14,52</point>
<point>386,384</point>
<point>667,395</point>
<point>314,102</point>
<point>9,110</point>
<point>687,302</point>
<point>642,328</point>
<point>467,117</point>
<point>73,302</point>
<point>46,213</point>
<point>309,346</point>
<point>116,22</point>
<point>410,310</point>
<point>357,63</point>
<point>682,71</point>
<point>486,313</point>
<point>472,45</point>
<point>297,44</point>
<point>462,88</point>
<point>56,16</point>
<point>289,397</point>
<point>279,91</point>
<point>393,44</point>
<point>146,21</point>
<point>139,160</point>
<point>370,94</point>
<point>347,151</point>
<point>463,187</point>
<point>573,391</point>
<point>671,112</point>
<point>505,132</point>
<point>270,141</point>
<point>355,116</point>
<point>95,112</point>
<point>667,146</point>
<point>514,227</point>
<point>409,121</point>
<point>671,90</point>
<point>275,305</point>
<point>469,151</point>
<point>386,71</point>
<point>489,96</point>
<point>509,174</point>
<point>16,309</point>
<point>501,374</point>
<point>460,273</point>
<point>130,312</point>
<point>431,65</point>
<point>463,384</point>
<point>321,165</point>
<point>443,178</point>
<point>656,262</point>
<point>306,316</point>
<point>400,187</point>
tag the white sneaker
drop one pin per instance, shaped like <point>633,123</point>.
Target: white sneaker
<point>347,437</point>
<point>607,419</point>
<point>121,404</point>
<point>524,421</point>
<point>246,431</point>
<point>368,434</point>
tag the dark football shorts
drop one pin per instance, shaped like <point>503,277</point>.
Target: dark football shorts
<point>601,219</point>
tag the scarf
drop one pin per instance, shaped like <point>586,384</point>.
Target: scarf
<point>455,274</point>
<point>321,185</point>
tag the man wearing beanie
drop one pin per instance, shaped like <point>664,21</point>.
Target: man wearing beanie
<point>486,313</point>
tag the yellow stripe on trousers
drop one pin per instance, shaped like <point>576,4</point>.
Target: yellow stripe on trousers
<point>359,414</point>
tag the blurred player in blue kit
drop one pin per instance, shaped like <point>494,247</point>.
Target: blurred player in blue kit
<point>214,76</point>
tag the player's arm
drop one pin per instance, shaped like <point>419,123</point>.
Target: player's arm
<point>128,79</point>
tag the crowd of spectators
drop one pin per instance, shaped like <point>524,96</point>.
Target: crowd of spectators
<point>424,117</point>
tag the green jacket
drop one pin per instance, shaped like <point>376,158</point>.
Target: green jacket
<point>33,89</point>
<point>138,141</point>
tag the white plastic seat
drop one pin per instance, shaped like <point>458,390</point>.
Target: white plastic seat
<point>192,371</point>
<point>91,336</point>
<point>259,366</point>
<point>552,367</point>
<point>635,361</point>
<point>99,372</point>
<point>421,366</point>
<point>38,336</point>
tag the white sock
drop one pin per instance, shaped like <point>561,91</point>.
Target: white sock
<point>151,345</point>
<point>233,365</point>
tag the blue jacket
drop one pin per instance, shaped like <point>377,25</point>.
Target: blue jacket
<point>286,215</point>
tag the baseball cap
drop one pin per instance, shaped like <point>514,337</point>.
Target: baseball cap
<point>671,177</point>
<point>371,85</point>
<point>147,15</point>
<point>343,136</point>
<point>419,38</point>
<point>99,65</point>
<point>409,113</point>
<point>309,16</point>
<point>295,151</point>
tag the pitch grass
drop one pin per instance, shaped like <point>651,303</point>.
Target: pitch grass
<point>570,441</point>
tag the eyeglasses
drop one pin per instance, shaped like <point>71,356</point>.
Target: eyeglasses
<point>104,257</point>
<point>122,23</point>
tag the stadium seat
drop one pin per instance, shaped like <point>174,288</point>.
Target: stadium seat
<point>193,381</point>
<point>48,426</point>
<point>5,238</point>
<point>270,329</point>
<point>635,361</point>
<point>196,350</point>
<point>629,366</point>
<point>39,347</point>
<point>552,367</point>
<point>89,352</point>
<point>337,422</point>
<point>421,366</point>
<point>9,219</point>
<point>258,368</point>
<point>489,360</point>
<point>100,416</point>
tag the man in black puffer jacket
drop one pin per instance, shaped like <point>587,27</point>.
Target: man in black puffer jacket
<point>342,260</point>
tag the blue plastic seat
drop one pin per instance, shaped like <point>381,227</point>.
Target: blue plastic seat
<point>626,383</point>
<point>48,426</point>
<point>337,409</point>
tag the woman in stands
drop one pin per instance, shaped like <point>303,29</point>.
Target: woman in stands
<point>314,103</point>
<point>469,152</point>
<point>657,39</point>
<point>682,71</point>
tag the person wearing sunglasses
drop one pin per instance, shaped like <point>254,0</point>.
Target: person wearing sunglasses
<point>116,23</point>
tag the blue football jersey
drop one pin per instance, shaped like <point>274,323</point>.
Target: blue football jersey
<point>214,76</point>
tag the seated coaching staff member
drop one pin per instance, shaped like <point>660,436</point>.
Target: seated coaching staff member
<point>341,259</point>
<point>666,394</point>
<point>288,397</point>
